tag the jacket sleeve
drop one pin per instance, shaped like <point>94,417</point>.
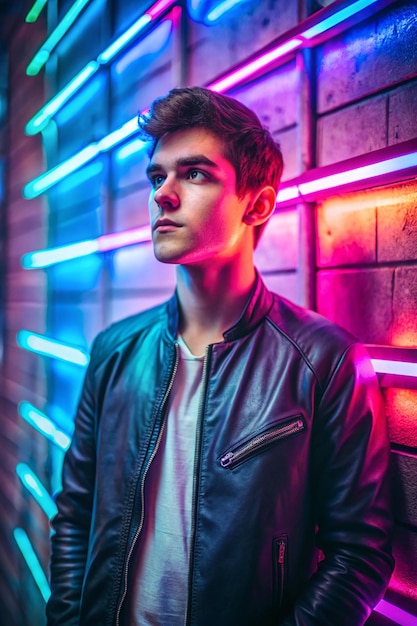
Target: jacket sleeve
<point>351,498</point>
<point>71,525</point>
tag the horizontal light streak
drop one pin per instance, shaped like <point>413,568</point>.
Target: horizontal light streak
<point>36,489</point>
<point>44,425</point>
<point>394,613</point>
<point>42,117</point>
<point>42,56</point>
<point>32,562</point>
<point>51,348</point>
<point>398,368</point>
<point>220,9</point>
<point>112,241</point>
<point>337,18</point>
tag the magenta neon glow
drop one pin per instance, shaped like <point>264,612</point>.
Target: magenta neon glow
<point>159,7</point>
<point>112,241</point>
<point>397,615</point>
<point>399,368</point>
<point>232,79</point>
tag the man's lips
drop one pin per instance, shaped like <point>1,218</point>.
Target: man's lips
<point>165,225</point>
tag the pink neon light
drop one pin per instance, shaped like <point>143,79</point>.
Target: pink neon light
<point>253,66</point>
<point>399,368</point>
<point>124,238</point>
<point>158,8</point>
<point>397,615</point>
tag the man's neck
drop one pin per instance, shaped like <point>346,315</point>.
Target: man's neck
<point>211,301</point>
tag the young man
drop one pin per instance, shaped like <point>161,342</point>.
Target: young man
<point>229,461</point>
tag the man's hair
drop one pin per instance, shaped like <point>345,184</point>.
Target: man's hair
<point>250,148</point>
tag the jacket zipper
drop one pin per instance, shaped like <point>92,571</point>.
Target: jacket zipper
<point>259,441</point>
<point>195,474</point>
<point>281,545</point>
<point>142,488</point>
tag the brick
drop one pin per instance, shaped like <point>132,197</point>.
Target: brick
<point>401,410</point>
<point>402,115</point>
<point>278,247</point>
<point>131,211</point>
<point>404,326</point>
<point>346,231</point>
<point>286,285</point>
<point>358,300</point>
<point>122,306</point>
<point>404,477</point>
<point>397,224</point>
<point>136,268</point>
<point>404,578</point>
<point>369,57</point>
<point>355,130</point>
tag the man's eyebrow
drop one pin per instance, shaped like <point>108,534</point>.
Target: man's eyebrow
<point>193,160</point>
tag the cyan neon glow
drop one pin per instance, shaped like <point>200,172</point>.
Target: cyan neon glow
<point>32,562</point>
<point>44,51</point>
<point>373,170</point>
<point>394,613</point>
<point>124,39</point>
<point>112,241</point>
<point>119,135</point>
<point>40,422</point>
<point>51,348</point>
<point>244,72</point>
<point>54,105</point>
<point>41,119</point>
<point>337,18</point>
<point>399,368</point>
<point>36,489</point>
<point>35,11</point>
<point>221,9</point>
<point>50,256</point>
<point>130,148</point>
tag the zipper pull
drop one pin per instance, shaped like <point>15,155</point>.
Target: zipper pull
<point>281,552</point>
<point>227,459</point>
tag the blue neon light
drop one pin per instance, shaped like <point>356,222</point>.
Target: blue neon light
<point>50,256</point>
<point>35,11</point>
<point>51,348</point>
<point>36,489</point>
<point>130,148</point>
<point>124,39</point>
<point>32,562</point>
<point>219,10</point>
<point>41,119</point>
<point>338,17</point>
<point>44,425</point>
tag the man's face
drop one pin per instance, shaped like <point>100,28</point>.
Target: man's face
<point>196,215</point>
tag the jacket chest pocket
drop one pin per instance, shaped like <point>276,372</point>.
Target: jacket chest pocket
<point>252,446</point>
<point>279,565</point>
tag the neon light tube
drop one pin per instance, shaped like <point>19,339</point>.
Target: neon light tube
<point>35,11</point>
<point>239,75</point>
<point>220,9</point>
<point>112,241</point>
<point>40,422</point>
<point>36,490</point>
<point>124,39</point>
<point>51,348</point>
<point>32,562</point>
<point>48,179</point>
<point>337,18</point>
<point>372,170</point>
<point>41,119</point>
<point>54,38</point>
<point>399,368</point>
<point>394,613</point>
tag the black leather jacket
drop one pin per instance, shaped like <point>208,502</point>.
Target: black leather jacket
<point>291,509</point>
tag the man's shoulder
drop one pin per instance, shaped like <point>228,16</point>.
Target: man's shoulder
<point>127,329</point>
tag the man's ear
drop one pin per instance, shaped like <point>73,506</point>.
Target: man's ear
<point>261,207</point>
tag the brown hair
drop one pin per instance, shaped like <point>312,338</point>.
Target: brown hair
<point>250,148</point>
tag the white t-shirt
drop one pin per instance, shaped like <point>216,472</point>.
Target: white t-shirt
<point>157,593</point>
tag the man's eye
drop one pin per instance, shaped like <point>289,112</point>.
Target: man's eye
<point>196,175</point>
<point>157,181</point>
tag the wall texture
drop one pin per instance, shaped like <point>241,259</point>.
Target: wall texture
<point>352,255</point>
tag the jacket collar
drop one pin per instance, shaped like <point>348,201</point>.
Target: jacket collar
<point>258,306</point>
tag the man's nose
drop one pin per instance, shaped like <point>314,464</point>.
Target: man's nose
<point>166,196</point>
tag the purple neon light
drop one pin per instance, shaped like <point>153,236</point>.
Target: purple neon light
<point>159,7</point>
<point>113,241</point>
<point>239,75</point>
<point>397,615</point>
